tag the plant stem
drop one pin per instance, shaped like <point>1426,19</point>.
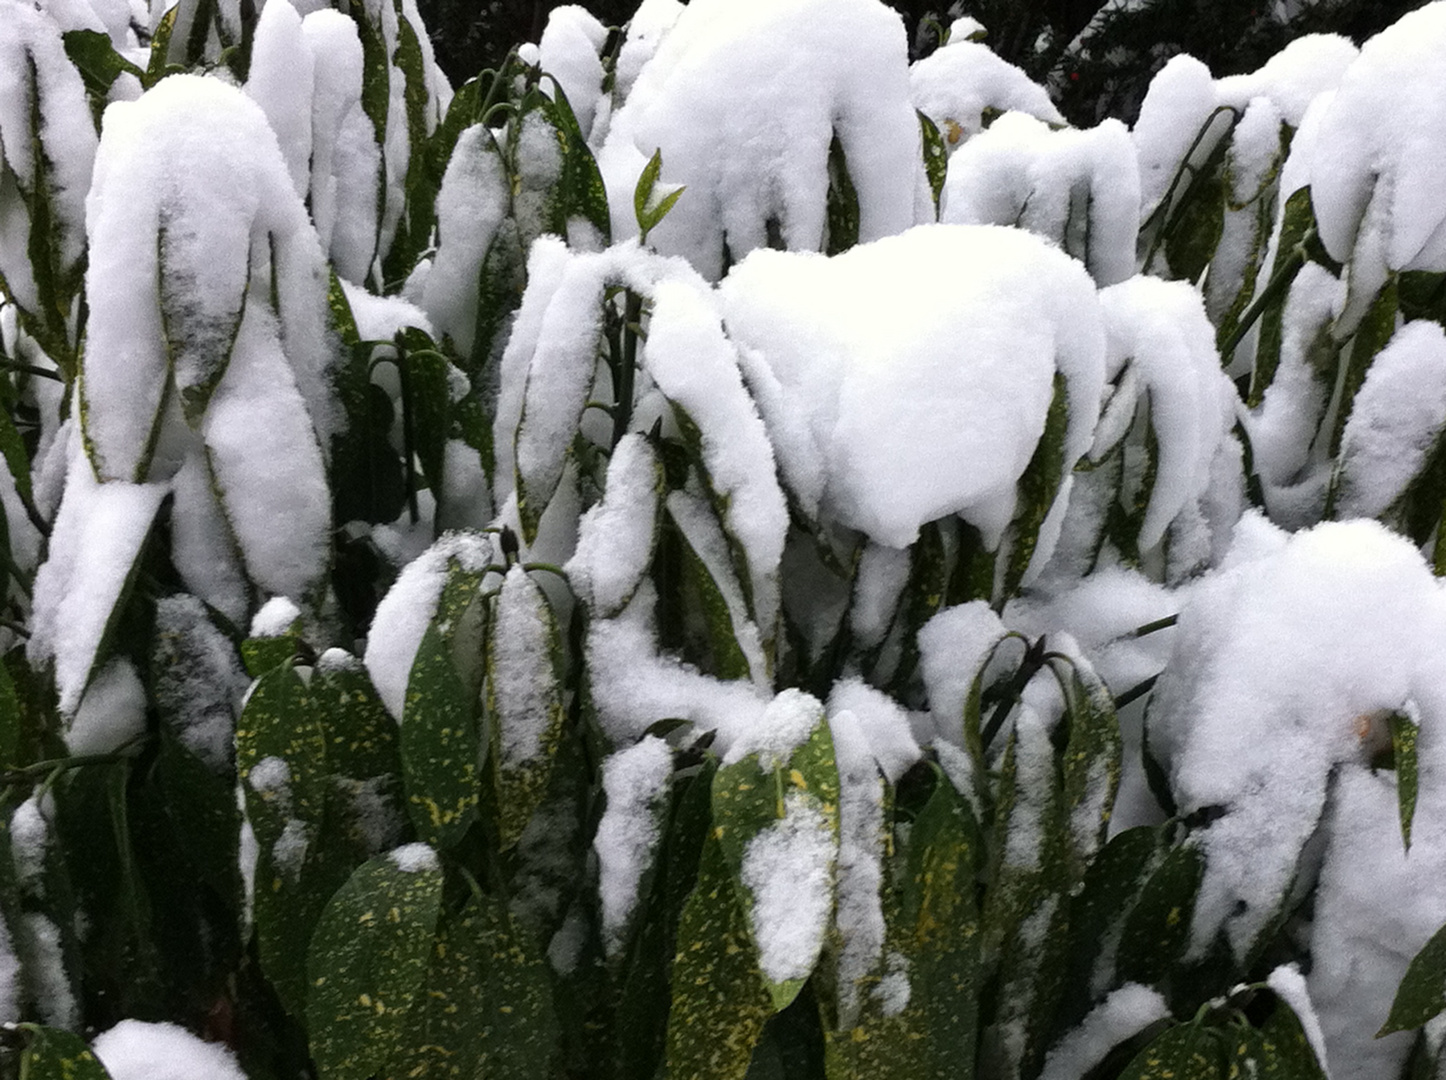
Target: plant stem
<point>1278,283</point>
<point>31,369</point>
<point>627,369</point>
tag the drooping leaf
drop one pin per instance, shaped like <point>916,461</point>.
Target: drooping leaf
<point>1422,993</point>
<point>1373,334</point>
<point>1183,1052</point>
<point>936,157</point>
<point>368,961</point>
<point>720,998</point>
<point>750,797</point>
<point>1037,487</point>
<point>843,202</point>
<point>1092,762</point>
<point>1298,221</point>
<point>1157,931</point>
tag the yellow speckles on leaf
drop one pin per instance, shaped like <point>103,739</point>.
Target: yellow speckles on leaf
<point>796,779</point>
<point>395,915</point>
<point>505,1009</point>
<point>952,131</point>
<point>1173,918</point>
<point>366,918</point>
<point>365,1000</point>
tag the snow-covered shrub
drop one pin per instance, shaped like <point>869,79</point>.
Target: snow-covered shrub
<point>712,551</point>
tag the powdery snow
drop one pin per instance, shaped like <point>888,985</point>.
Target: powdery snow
<point>1122,1015</point>
<point>1286,665</point>
<point>1078,189</point>
<point>635,781</point>
<point>524,684</point>
<point>616,535</point>
<point>138,1050</point>
<point>414,858</point>
<point>955,85</point>
<point>910,378</point>
<point>788,870</point>
<point>743,98</point>
<point>403,614</point>
<point>1395,422</point>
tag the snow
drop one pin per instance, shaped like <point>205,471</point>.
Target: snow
<point>788,869</point>
<point>954,647</point>
<point>30,842</point>
<point>96,540</point>
<point>1124,1014</point>
<point>880,722</point>
<point>634,686</point>
<point>646,29</point>
<point>616,535</point>
<point>66,134</point>
<point>879,582</point>
<point>568,51</point>
<point>1395,421</point>
<point>937,345</point>
<point>414,858</point>
<point>410,604</point>
<point>378,318</point>
<point>43,973</point>
<point>1290,986</point>
<point>1284,663</point>
<point>138,1050</point>
<point>783,727</point>
<point>635,781</point>
<point>955,85</point>
<point>743,98</point>
<point>697,370</point>
<point>1381,139</point>
<point>1078,189</point>
<point>281,79</point>
<point>276,618</point>
<point>198,680</point>
<point>1160,328</point>
<point>858,914</point>
<point>471,204</point>
<point>524,683</point>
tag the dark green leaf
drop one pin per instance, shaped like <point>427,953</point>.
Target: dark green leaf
<point>843,202</point>
<point>1092,761</point>
<point>1422,993</point>
<point>99,64</point>
<point>720,998</point>
<point>427,394</point>
<point>1298,222</point>
<point>156,68</point>
<point>936,157</point>
<point>1403,746</point>
<point>368,963</point>
<point>52,1054</point>
<point>439,745</point>
<point>281,763</point>
<point>1037,487</point>
<point>1184,1052</point>
<point>1157,931</point>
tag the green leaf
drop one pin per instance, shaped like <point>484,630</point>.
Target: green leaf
<point>281,764</point>
<point>439,745</point>
<point>1375,330</point>
<point>1422,993</point>
<point>526,701</point>
<point>12,723</point>
<point>936,157</point>
<point>1027,908</point>
<point>751,796</point>
<point>1403,747</point>
<point>1280,1049</point>
<point>1298,222</point>
<point>932,922</point>
<point>706,581</point>
<point>642,1010</point>
<point>648,208</point>
<point>157,67</point>
<point>199,341</point>
<point>1157,931</point>
<point>368,964</point>
<point>580,188</point>
<point>720,998</point>
<point>487,1009</point>
<point>362,756</point>
<point>99,65</point>
<point>1092,762</point>
<point>1038,486</point>
<point>202,808</point>
<point>262,654</point>
<point>427,398</point>
<point>843,202</point>
<point>1193,232</point>
<point>52,1054</point>
<point>12,446</point>
<point>1106,896</point>
<point>1183,1052</point>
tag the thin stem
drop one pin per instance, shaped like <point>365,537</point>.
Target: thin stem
<point>1152,627</point>
<point>31,369</point>
<point>1136,692</point>
<point>1163,207</point>
<point>548,568</point>
<point>627,370</point>
<point>55,766</point>
<point>1278,283</point>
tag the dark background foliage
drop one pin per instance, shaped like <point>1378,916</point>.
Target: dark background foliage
<point>1109,78</point>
